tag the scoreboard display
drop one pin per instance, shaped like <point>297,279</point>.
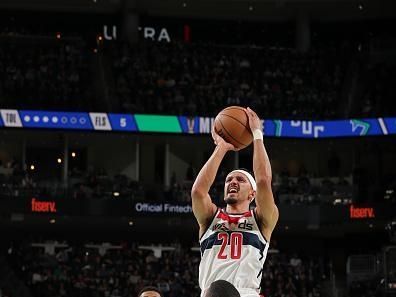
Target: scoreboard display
<point>94,121</point>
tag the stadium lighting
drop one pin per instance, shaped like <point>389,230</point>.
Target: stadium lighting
<point>59,160</point>
<point>360,6</point>
<point>116,194</point>
<point>130,223</point>
<point>32,167</point>
<point>388,194</point>
<point>52,221</point>
<point>337,201</point>
<point>73,154</point>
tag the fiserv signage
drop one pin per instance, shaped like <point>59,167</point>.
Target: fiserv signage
<point>43,206</point>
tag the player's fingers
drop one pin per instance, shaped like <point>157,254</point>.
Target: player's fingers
<point>249,112</point>
<point>214,139</point>
<point>213,133</point>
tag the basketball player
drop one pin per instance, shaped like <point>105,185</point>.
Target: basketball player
<point>150,292</point>
<point>221,288</point>
<point>234,241</point>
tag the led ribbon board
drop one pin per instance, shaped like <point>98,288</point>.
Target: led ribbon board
<point>36,119</point>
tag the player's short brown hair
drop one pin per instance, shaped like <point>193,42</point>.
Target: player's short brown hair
<point>150,288</point>
<point>222,288</point>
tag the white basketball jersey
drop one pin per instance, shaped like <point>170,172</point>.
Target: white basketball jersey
<point>233,249</point>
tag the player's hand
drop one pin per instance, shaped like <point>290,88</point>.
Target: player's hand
<point>254,120</point>
<point>220,142</point>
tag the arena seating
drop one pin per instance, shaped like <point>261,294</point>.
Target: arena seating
<point>52,268</point>
<point>205,77</point>
<point>47,74</point>
<point>97,184</point>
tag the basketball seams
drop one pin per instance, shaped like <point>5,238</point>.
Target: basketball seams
<point>229,134</point>
<point>234,107</point>
<point>235,119</point>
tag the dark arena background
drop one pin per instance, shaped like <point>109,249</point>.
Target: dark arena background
<point>106,112</point>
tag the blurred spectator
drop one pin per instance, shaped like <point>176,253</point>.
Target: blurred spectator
<point>377,87</point>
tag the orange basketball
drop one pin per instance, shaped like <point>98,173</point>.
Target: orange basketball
<point>232,124</point>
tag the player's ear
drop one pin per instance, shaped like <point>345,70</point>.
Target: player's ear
<point>252,195</point>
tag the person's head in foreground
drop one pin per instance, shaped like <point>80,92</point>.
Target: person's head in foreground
<point>239,187</point>
<point>150,292</point>
<point>221,288</point>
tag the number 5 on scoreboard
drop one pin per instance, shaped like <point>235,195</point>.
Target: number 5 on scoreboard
<point>235,241</point>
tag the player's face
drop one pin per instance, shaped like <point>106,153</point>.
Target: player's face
<point>150,294</point>
<point>236,188</point>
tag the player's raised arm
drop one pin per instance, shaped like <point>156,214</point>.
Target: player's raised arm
<point>266,210</point>
<point>202,204</point>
